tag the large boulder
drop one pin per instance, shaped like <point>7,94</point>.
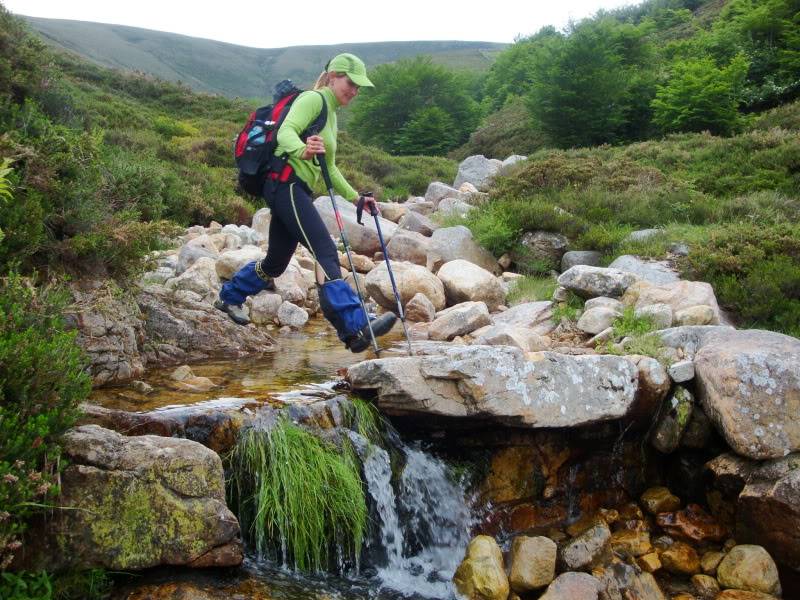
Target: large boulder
<point>533,563</point>
<point>503,334</point>
<point>199,247</point>
<point>293,284</point>
<point>393,211</point>
<point>499,383</point>
<point>411,279</point>
<point>574,258</point>
<point>477,170</point>
<point>749,567</point>
<point>438,191</point>
<point>454,206</point>
<point>200,278</point>
<point>417,222</point>
<point>749,385</point>
<point>139,502</point>
<point>531,315</point>
<point>459,320</point>
<point>679,296</point>
<point>467,282</point>
<point>590,282</point>
<point>452,243</point>
<point>539,250</point>
<point>363,238</point>
<point>655,272</point>
<point>481,575</point>
<point>409,246</point>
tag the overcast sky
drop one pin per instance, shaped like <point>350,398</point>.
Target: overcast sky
<point>310,22</point>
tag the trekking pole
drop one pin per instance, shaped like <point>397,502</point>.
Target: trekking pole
<point>326,176</point>
<point>400,312</point>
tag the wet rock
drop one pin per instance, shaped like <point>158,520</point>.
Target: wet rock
<point>264,307</point>
<point>730,473</point>
<point>533,563</point>
<point>695,315</point>
<point>743,595</point>
<point>749,385</point>
<point>681,372</point>
<point>138,502</point>
<point>653,388</point>
<point>497,382</point>
<point>749,567</point>
<point>621,581</point>
<point>142,387</point>
<point>292,315</point>
<point>467,282</point>
<point>710,561</point>
<point>481,575</point>
<point>186,380</point>
<point>672,420</point>
<point>659,499</point>
<point>698,432</point>
<point>409,246</point>
<point>416,222</point>
<point>420,310</point>
<point>681,559</point>
<point>571,586</point>
<point>626,542</point>
<point>586,549</point>
<point>768,510</point>
<point>656,272</point>
<point>453,243</point>
<point>363,238</point>
<point>580,257</point>
<point>411,279</point>
<point>542,249</point>
<point>660,315</point>
<point>707,587</point>
<point>590,282</point>
<point>692,524</point>
<point>595,320</point>
<point>477,170</point>
<point>459,320</point>
<point>679,296</point>
<point>649,563</point>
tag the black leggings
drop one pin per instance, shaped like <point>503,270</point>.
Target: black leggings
<point>295,219</point>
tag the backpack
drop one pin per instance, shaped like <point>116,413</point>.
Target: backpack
<point>254,150</point>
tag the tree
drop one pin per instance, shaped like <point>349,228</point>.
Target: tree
<point>397,113</point>
<point>700,96</point>
<point>588,89</point>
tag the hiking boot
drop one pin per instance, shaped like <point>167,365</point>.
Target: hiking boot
<point>380,326</point>
<point>236,313</point>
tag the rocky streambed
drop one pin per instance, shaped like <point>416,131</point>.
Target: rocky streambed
<point>525,455</point>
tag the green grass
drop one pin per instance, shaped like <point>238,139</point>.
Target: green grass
<point>363,417</point>
<point>636,330</point>
<point>568,310</point>
<point>530,289</point>
<point>298,498</point>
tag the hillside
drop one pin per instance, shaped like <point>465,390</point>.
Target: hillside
<point>231,70</point>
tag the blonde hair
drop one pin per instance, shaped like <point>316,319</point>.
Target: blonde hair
<point>323,80</point>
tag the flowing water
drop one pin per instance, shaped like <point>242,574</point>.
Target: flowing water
<point>420,515</point>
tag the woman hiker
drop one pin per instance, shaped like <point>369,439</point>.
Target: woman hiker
<point>294,217</point>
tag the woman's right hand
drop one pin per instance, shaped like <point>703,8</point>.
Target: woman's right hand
<point>314,146</point>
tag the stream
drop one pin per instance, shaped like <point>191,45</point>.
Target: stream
<point>420,522</point>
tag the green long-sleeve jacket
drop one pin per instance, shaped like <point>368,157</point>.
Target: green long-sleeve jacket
<point>303,112</point>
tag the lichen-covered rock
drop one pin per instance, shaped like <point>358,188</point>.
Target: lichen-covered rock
<point>411,279</point>
<point>654,385</point>
<point>672,420</point>
<point>481,575</point>
<point>533,563</point>
<point>660,315</point>
<point>656,272</point>
<point>459,320</point>
<point>540,249</point>
<point>544,389</point>
<point>536,316</point>
<point>590,282</point>
<point>139,502</point>
<point>504,334</point>
<point>749,567</point>
<point>679,296</point>
<point>749,385</point>
<point>574,258</point>
<point>466,282</point>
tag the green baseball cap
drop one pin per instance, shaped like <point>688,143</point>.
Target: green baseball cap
<point>352,66</point>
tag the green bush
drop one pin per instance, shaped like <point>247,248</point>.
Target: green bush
<point>80,585</point>
<point>42,381</point>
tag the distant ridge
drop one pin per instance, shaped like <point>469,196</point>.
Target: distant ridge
<point>231,70</point>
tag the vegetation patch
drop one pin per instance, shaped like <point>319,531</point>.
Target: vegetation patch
<point>298,499</point>
<point>634,331</point>
<point>531,289</point>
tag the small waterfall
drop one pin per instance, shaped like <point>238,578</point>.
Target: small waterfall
<point>424,526</point>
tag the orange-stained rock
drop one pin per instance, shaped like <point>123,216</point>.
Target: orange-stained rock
<point>649,563</point>
<point>681,559</point>
<point>743,595</point>
<point>659,499</point>
<point>693,524</point>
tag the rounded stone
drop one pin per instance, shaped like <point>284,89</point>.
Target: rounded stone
<point>749,567</point>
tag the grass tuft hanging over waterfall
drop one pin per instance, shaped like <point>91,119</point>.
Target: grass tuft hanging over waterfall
<point>298,498</point>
